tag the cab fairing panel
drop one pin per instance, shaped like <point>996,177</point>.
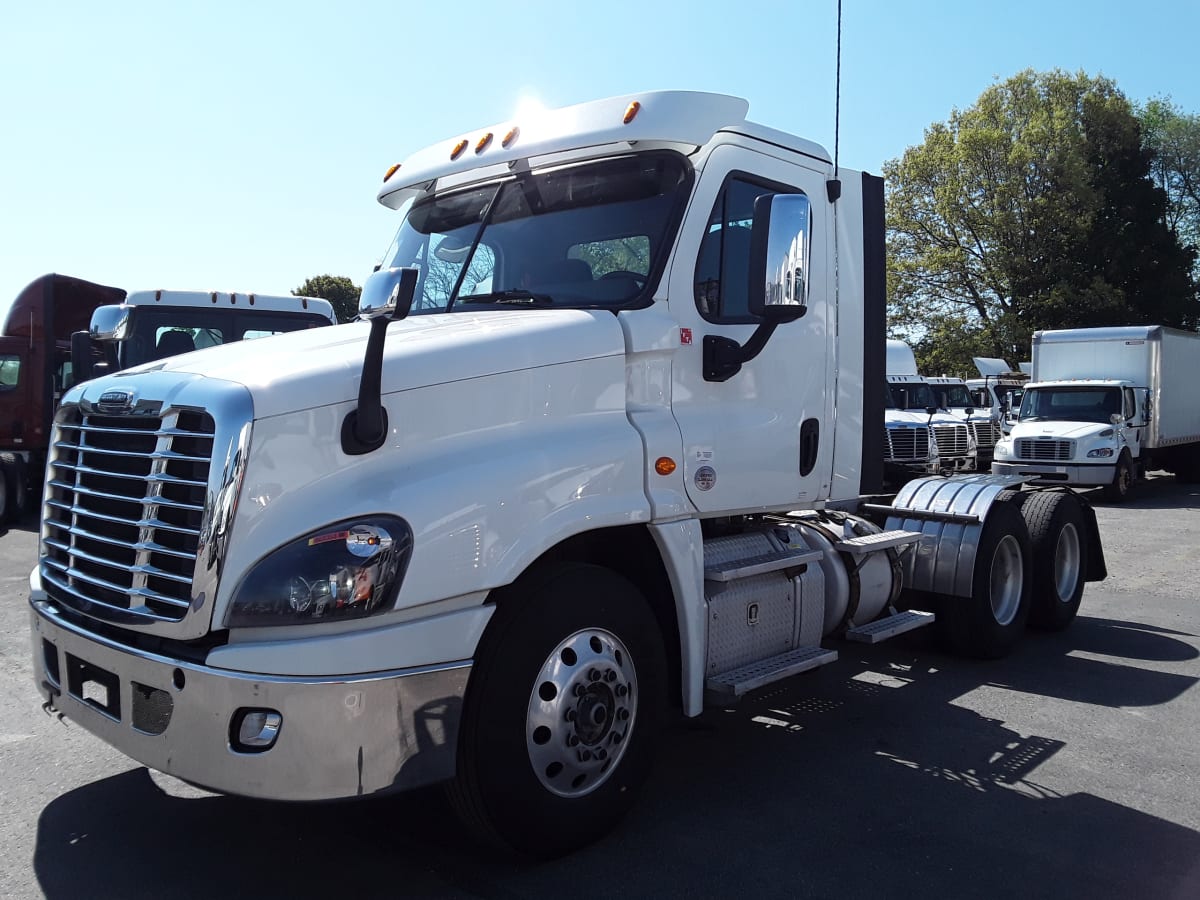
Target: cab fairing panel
<point>488,472</point>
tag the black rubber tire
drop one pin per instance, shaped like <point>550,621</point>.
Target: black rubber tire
<point>16,482</point>
<point>1059,539</point>
<point>3,492</point>
<point>970,625</point>
<point>496,791</point>
<point>1118,490</point>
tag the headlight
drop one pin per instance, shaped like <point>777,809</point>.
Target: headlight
<point>1100,452</point>
<point>1003,450</point>
<point>347,570</point>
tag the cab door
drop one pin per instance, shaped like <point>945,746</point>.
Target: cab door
<point>762,438</point>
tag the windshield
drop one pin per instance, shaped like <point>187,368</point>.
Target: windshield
<point>159,332</point>
<point>1071,404</point>
<point>954,396</point>
<point>911,396</point>
<point>589,235</point>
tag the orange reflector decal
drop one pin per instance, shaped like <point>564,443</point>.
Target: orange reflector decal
<point>511,136</point>
<point>664,465</point>
<point>631,111</point>
<point>392,170</point>
<point>483,142</point>
<point>458,149</point>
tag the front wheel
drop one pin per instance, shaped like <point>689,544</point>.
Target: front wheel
<point>562,711</point>
<point>989,623</point>
<point>1122,482</point>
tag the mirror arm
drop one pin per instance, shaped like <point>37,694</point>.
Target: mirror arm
<point>723,357</point>
<point>365,428</point>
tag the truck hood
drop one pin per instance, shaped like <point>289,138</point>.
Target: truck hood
<point>1071,430</point>
<point>323,366</point>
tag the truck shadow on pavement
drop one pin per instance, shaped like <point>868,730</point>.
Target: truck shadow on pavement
<point>1159,491</point>
<point>863,779</point>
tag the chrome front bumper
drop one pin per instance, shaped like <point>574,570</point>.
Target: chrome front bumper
<point>1057,473</point>
<point>340,736</point>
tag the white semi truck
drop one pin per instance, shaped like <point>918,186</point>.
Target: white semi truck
<point>599,445</point>
<point>953,396</point>
<point>1106,405</point>
<point>920,436</point>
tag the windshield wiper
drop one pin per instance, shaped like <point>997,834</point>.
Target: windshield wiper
<point>515,297</point>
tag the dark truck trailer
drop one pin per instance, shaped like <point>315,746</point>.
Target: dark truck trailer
<point>35,370</point>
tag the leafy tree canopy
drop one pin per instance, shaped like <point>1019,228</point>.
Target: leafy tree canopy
<point>1173,138</point>
<point>1031,209</point>
<point>337,289</point>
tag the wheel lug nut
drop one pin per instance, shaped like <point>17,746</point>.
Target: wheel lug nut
<point>601,753</point>
<point>570,715</point>
<point>580,690</point>
<point>585,755</point>
<point>593,675</point>
<point>572,740</point>
<point>621,690</point>
<point>610,676</point>
<point>622,714</point>
<point>615,737</point>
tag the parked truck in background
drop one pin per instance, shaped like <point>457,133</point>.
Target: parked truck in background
<point>998,388</point>
<point>954,397</point>
<point>921,437</point>
<point>60,330</point>
<point>606,439</point>
<point>1106,405</point>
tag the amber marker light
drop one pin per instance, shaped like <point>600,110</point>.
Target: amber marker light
<point>631,111</point>
<point>392,170</point>
<point>511,136</point>
<point>458,149</point>
<point>664,465</point>
<point>483,142</point>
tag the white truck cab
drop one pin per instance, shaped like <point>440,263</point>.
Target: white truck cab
<point>954,397</point>
<point>606,439</point>
<point>922,436</point>
<point>998,388</point>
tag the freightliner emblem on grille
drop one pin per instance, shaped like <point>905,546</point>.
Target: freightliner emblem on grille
<point>116,400</point>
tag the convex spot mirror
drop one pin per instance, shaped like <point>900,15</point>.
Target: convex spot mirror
<point>109,323</point>
<point>388,292</point>
<point>779,257</point>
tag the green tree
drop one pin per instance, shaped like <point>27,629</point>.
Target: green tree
<point>337,289</point>
<point>1173,137</point>
<point>1031,209</point>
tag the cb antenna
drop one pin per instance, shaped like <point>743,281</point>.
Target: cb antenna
<point>834,187</point>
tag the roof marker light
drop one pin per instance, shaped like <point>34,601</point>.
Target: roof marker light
<point>483,142</point>
<point>631,111</point>
<point>458,149</point>
<point>511,136</point>
<point>392,169</point>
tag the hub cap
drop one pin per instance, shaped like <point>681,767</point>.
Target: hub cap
<point>1007,577</point>
<point>1066,563</point>
<point>581,712</point>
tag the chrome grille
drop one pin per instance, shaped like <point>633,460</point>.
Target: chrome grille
<point>952,440</point>
<point>1039,448</point>
<point>907,443</point>
<point>125,503</point>
<point>986,434</point>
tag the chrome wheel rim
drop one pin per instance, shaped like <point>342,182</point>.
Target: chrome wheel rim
<point>581,712</point>
<point>1066,563</point>
<point>1007,579</point>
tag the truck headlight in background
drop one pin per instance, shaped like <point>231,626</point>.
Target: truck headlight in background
<point>1100,452</point>
<point>346,570</point>
<point>1002,450</point>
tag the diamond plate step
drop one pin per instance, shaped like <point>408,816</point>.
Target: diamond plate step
<point>883,540</point>
<point>758,565</point>
<point>882,629</point>
<point>736,682</point>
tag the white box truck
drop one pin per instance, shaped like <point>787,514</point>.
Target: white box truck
<point>1106,405</point>
<point>606,439</point>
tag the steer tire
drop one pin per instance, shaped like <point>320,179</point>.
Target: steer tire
<point>1118,489</point>
<point>3,492</point>
<point>562,711</point>
<point>1059,540</point>
<point>17,485</point>
<point>988,624</point>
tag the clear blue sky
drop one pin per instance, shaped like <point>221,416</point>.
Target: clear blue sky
<point>239,145</point>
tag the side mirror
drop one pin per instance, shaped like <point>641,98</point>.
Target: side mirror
<point>779,257</point>
<point>970,411</point>
<point>388,293</point>
<point>1117,419</point>
<point>109,323</point>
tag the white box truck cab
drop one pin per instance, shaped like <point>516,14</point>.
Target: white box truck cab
<point>1105,406</point>
<point>921,437</point>
<point>606,439</point>
<point>999,388</point>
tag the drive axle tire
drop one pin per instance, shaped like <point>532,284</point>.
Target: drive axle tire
<point>3,492</point>
<point>1060,557</point>
<point>988,624</point>
<point>1123,479</point>
<point>16,483</point>
<point>562,711</point>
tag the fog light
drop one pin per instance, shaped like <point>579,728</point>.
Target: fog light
<point>256,729</point>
